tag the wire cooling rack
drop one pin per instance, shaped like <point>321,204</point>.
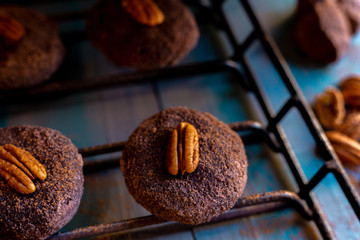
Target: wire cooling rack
<point>251,131</point>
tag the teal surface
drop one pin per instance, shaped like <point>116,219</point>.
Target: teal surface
<point>106,116</point>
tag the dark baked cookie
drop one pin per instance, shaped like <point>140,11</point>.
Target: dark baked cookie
<point>323,33</point>
<point>128,43</point>
<point>194,198</point>
<point>56,199</point>
<point>37,55</point>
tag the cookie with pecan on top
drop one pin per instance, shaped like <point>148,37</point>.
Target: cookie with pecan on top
<point>158,35</point>
<point>209,183</point>
<point>30,47</point>
<point>53,195</point>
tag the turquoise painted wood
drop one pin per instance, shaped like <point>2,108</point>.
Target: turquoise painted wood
<point>111,115</point>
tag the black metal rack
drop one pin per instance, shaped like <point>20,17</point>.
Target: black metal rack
<point>303,201</point>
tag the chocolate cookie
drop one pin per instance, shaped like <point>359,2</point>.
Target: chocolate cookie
<point>323,32</point>
<point>36,56</point>
<point>56,199</point>
<point>191,198</point>
<point>126,42</point>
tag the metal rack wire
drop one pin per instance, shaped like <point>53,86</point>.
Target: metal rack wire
<point>303,201</point>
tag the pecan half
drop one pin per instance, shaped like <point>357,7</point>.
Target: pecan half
<point>5,155</point>
<point>330,108</point>
<point>347,149</point>
<point>19,168</point>
<point>11,31</point>
<point>183,149</point>
<point>16,178</point>
<point>350,88</point>
<point>145,12</point>
<point>351,126</point>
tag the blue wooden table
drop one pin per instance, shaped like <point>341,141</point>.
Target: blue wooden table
<point>110,115</point>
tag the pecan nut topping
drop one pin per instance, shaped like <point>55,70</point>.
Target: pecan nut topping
<point>350,88</point>
<point>145,12</point>
<point>183,149</point>
<point>330,108</point>
<point>346,148</point>
<point>19,168</point>
<point>16,178</point>
<point>11,31</point>
<point>351,126</point>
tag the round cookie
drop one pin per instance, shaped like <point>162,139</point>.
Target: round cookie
<point>323,32</point>
<point>214,186</point>
<point>128,43</point>
<point>38,54</point>
<point>56,199</point>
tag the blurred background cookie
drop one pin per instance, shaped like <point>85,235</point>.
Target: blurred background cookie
<point>143,34</point>
<point>322,31</point>
<point>30,48</point>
